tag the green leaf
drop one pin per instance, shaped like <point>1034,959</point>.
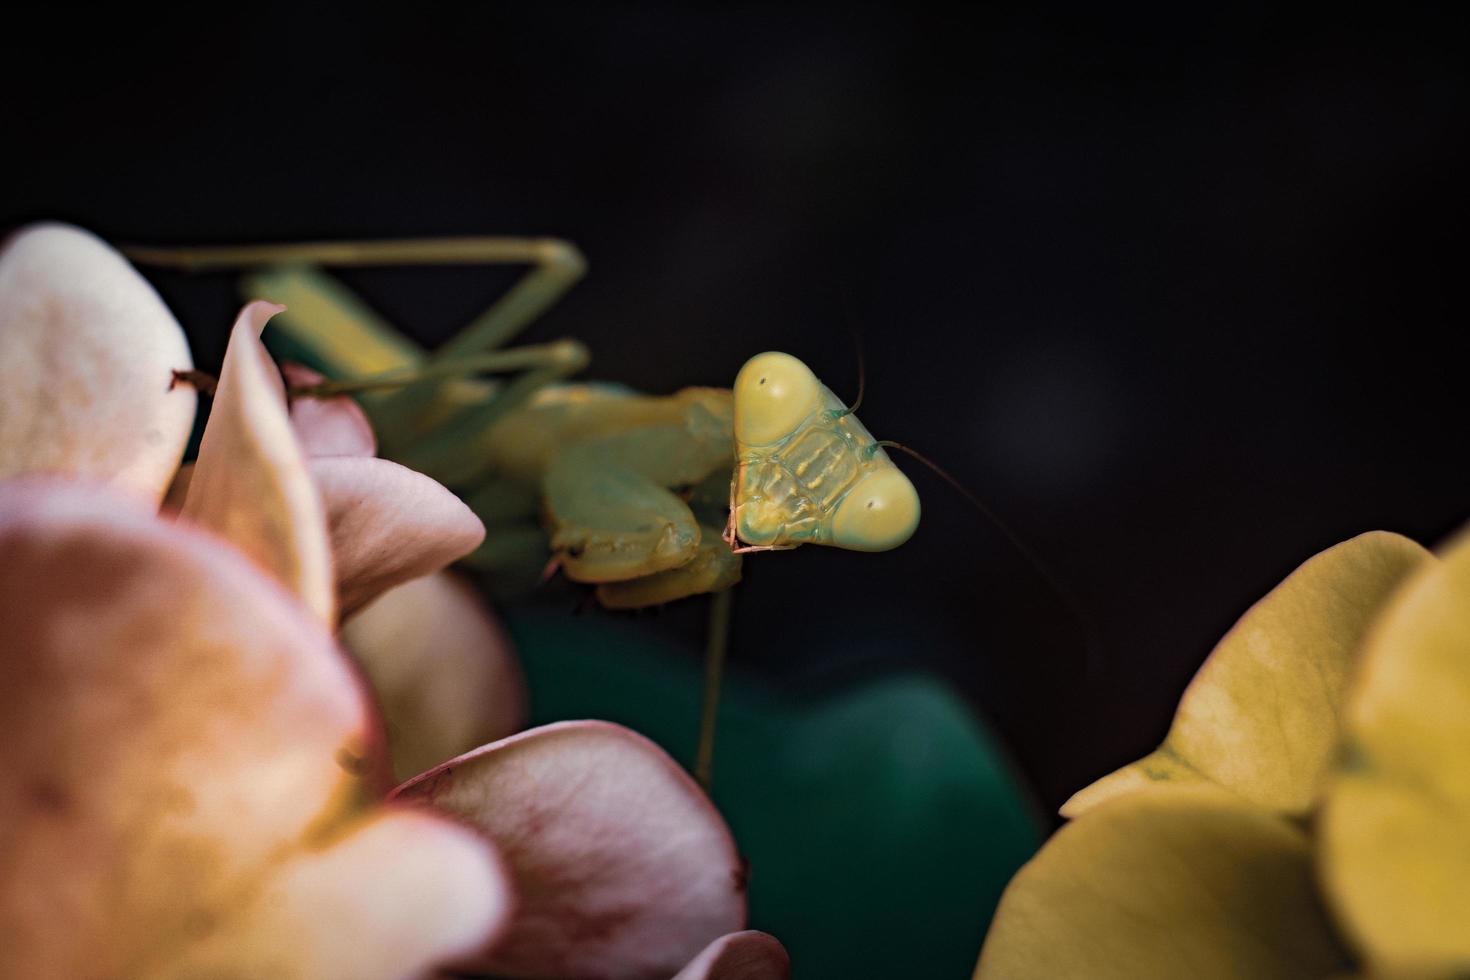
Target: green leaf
<point>881,823</point>
<point>1261,718</point>
<point>1166,883</point>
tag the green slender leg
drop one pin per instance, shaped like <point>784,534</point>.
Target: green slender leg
<point>448,453</point>
<point>716,646</point>
<point>514,359</point>
<point>443,452</point>
<point>344,332</point>
<point>338,330</point>
<point>545,253</point>
<point>556,267</point>
<point>327,326</point>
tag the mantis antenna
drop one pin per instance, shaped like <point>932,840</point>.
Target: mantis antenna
<point>1094,660</point>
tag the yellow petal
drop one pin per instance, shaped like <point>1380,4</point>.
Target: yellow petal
<point>1396,830</point>
<point>250,484</point>
<point>1261,716</point>
<point>87,355</point>
<point>443,670</point>
<point>1163,884</point>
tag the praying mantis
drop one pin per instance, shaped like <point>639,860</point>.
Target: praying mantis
<point>649,499</point>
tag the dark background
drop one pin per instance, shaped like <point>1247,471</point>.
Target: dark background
<point>1180,298</point>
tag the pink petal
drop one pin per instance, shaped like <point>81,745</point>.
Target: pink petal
<point>443,669</point>
<point>328,426</point>
<point>624,868</point>
<point>87,355</point>
<point>250,483</point>
<point>188,756</point>
<point>746,955</point>
<point>388,525</point>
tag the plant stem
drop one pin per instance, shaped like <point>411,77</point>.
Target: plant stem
<point>714,668</point>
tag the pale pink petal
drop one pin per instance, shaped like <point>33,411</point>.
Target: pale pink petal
<point>623,867</point>
<point>250,483</point>
<point>185,744</point>
<point>328,426</point>
<point>443,669</point>
<point>87,355</point>
<point>388,525</point>
<point>406,890</point>
<point>746,955</point>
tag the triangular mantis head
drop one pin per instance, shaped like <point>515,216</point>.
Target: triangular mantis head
<point>807,471</point>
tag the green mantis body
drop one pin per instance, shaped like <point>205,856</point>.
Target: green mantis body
<point>606,464</point>
<point>633,489</point>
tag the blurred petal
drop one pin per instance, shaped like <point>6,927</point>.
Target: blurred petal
<point>898,771</point>
<point>1166,883</point>
<point>87,355</point>
<point>1396,829</point>
<point>388,525</point>
<point>178,491</point>
<point>250,483</point>
<point>1261,716</point>
<point>442,667</point>
<point>403,891</point>
<point>622,865</point>
<point>747,955</point>
<point>187,753</point>
<point>327,426</point>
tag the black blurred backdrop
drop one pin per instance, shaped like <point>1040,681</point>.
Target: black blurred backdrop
<point>1179,297</point>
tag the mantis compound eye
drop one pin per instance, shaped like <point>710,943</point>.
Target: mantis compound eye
<point>774,393</point>
<point>880,512</point>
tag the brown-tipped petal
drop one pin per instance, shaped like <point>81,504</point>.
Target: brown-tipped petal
<point>443,669</point>
<point>250,484</point>
<point>746,955</point>
<point>388,525</point>
<point>87,355</point>
<point>405,891</point>
<point>334,426</point>
<point>623,867</point>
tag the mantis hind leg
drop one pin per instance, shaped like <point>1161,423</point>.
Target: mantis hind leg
<point>357,340</point>
<point>556,266</point>
<point>433,412</point>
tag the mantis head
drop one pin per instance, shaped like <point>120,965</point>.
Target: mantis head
<point>807,471</point>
